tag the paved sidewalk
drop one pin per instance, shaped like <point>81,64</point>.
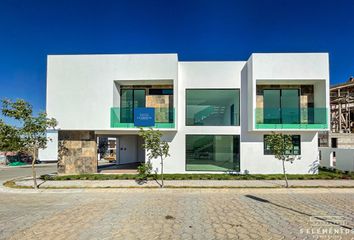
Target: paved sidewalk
<point>199,214</point>
<point>187,183</point>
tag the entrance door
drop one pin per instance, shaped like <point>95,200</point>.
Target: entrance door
<point>127,149</point>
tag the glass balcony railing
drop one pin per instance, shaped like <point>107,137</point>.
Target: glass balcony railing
<point>291,118</point>
<point>124,118</point>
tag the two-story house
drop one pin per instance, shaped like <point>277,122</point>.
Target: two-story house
<point>215,115</point>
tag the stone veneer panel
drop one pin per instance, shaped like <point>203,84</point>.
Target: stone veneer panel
<point>80,152</point>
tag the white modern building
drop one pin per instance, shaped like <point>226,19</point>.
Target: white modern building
<point>215,115</point>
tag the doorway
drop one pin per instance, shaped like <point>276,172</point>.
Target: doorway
<point>129,150</point>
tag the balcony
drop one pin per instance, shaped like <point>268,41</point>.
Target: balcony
<point>291,118</point>
<point>124,118</point>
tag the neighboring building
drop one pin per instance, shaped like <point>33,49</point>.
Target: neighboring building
<point>214,114</point>
<point>337,145</point>
<point>342,116</point>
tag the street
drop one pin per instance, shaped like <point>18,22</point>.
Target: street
<point>178,214</point>
<point>15,172</point>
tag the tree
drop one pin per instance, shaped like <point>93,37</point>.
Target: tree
<point>281,146</point>
<point>9,138</point>
<point>155,146</point>
<point>30,133</point>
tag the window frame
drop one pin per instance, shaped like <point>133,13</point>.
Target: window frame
<point>239,107</point>
<point>214,135</point>
<point>281,101</point>
<point>268,152</point>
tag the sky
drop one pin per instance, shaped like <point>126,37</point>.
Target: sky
<point>195,29</point>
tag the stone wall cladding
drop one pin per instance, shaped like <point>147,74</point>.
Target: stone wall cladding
<point>80,154</point>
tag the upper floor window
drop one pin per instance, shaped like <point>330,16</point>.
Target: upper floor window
<point>159,98</point>
<point>213,107</point>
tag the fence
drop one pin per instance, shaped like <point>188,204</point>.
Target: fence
<point>338,158</point>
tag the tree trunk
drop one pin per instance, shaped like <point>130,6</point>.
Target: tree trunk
<point>5,158</point>
<point>34,170</point>
<point>286,179</point>
<point>162,172</point>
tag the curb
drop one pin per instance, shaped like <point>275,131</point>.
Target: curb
<point>11,186</point>
<point>29,166</point>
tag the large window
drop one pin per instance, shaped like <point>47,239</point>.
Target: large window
<point>130,99</point>
<point>213,107</point>
<point>281,106</point>
<point>161,99</point>
<point>296,146</point>
<point>212,153</point>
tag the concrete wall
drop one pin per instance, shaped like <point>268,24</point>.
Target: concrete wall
<point>50,153</point>
<point>199,75</point>
<point>254,161</point>
<point>81,90</point>
<point>344,158</point>
<point>289,68</point>
<point>344,140</point>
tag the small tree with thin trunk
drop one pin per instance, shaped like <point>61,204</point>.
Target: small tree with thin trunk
<point>29,134</point>
<point>281,146</point>
<point>155,146</point>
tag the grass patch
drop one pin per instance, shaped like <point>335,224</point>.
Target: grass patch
<point>12,184</point>
<point>324,174</point>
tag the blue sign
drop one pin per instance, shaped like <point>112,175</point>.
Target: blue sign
<point>144,117</point>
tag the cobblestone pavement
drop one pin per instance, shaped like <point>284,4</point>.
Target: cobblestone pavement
<point>178,214</point>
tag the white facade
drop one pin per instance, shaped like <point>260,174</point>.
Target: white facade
<point>81,90</point>
<point>337,158</point>
<point>50,154</point>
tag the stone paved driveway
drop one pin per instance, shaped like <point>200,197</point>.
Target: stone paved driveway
<point>179,214</point>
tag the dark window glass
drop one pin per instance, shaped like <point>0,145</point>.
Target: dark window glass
<point>281,106</point>
<point>212,153</point>
<point>126,105</point>
<point>272,113</point>
<point>296,146</point>
<point>157,91</point>
<point>334,142</point>
<point>130,99</point>
<point>213,107</point>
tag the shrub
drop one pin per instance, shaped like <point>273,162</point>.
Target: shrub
<point>144,171</point>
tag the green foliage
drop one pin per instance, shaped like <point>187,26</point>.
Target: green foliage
<point>280,145</point>
<point>155,146</point>
<point>324,174</point>
<point>29,135</point>
<point>10,138</point>
<point>152,142</point>
<point>144,171</point>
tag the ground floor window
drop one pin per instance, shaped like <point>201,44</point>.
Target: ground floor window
<point>212,153</point>
<point>296,146</point>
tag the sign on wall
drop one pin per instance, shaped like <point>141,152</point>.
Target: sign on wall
<point>144,117</point>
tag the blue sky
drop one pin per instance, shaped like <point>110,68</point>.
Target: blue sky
<point>195,29</point>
